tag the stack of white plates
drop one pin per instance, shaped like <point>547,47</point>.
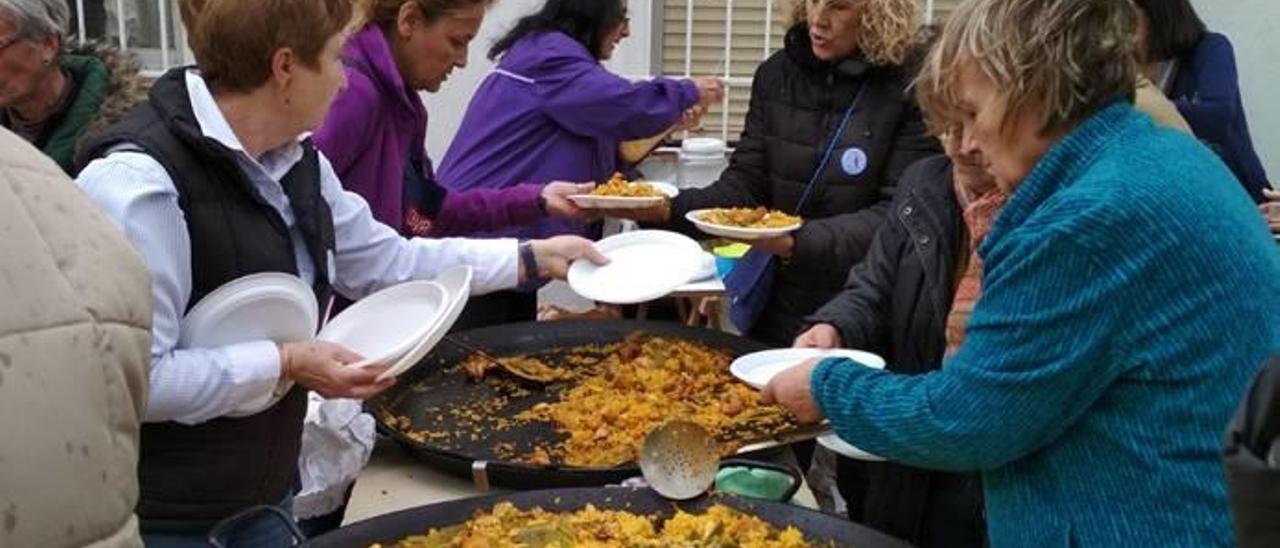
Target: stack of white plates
<point>395,327</point>
<point>270,306</point>
<point>386,325</point>
<point>456,283</point>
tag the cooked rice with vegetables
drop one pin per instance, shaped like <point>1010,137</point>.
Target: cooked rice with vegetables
<point>509,527</point>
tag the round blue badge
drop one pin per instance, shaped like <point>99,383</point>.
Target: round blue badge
<point>853,161</point>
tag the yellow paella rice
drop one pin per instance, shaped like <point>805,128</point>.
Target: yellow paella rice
<point>506,526</point>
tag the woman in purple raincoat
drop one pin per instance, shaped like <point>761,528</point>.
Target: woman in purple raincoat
<point>375,132</point>
<point>550,111</point>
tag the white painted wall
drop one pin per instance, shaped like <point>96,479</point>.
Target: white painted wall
<point>447,107</point>
<point>1252,27</point>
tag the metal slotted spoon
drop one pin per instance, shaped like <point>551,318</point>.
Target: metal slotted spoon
<point>679,460</point>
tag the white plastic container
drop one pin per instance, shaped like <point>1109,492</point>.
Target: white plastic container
<point>701,161</point>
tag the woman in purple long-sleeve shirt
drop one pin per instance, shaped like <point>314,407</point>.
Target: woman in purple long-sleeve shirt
<point>551,111</point>
<point>375,132</point>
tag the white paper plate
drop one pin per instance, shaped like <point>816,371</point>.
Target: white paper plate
<point>272,306</point>
<point>833,442</point>
<point>757,368</point>
<point>457,285</point>
<point>386,325</point>
<point>737,233</point>
<point>591,201</point>
<point>644,265</point>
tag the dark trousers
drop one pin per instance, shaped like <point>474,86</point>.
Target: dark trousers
<point>927,509</point>
<point>263,530</point>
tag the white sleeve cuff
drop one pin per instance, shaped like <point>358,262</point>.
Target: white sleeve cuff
<point>254,374</point>
<point>197,385</point>
<point>496,264</point>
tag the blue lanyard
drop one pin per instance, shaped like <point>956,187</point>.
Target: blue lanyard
<point>826,156</point>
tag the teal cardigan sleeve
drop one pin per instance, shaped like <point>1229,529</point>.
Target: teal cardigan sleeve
<point>1036,356</point>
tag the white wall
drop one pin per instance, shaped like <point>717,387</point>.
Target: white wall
<point>1252,26</point>
<point>447,107</point>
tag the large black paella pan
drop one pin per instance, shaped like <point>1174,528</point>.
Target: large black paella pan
<point>463,427</point>
<point>818,528</point>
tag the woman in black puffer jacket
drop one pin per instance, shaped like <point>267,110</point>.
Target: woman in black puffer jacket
<point>836,51</point>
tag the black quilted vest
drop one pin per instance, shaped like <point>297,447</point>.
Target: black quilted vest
<point>209,471</point>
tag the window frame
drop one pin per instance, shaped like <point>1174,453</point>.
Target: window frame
<point>172,50</point>
<point>657,32</point>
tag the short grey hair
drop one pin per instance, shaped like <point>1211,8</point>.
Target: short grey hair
<point>1069,57</point>
<point>37,19</point>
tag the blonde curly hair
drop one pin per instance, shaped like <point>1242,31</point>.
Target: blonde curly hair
<point>888,30</point>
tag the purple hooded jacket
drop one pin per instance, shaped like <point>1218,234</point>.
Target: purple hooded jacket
<point>551,112</point>
<point>367,136</point>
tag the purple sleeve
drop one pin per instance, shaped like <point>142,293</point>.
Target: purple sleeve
<point>586,99</point>
<point>485,209</point>
<point>344,134</point>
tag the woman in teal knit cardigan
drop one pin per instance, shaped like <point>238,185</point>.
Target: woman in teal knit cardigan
<point>1121,316</point>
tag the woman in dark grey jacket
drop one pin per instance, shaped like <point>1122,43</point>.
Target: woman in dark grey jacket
<point>896,304</point>
<point>799,97</point>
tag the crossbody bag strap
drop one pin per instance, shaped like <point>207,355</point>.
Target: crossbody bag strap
<point>831,147</point>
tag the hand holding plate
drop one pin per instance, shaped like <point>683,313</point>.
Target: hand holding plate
<point>823,335</point>
<point>782,246</point>
<point>554,255</point>
<point>556,197</point>
<point>657,214</point>
<point>325,367</point>
<point>791,389</point>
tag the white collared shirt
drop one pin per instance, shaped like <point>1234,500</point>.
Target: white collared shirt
<point>195,385</point>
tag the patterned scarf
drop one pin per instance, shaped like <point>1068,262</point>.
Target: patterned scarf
<point>979,214</point>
